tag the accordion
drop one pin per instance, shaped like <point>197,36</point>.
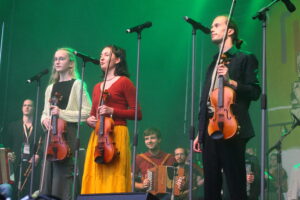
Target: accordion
<point>161,179</point>
<point>6,167</point>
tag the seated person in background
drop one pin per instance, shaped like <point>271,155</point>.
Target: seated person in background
<point>273,181</point>
<point>181,187</point>
<point>154,157</point>
<point>253,174</point>
<point>19,137</point>
<point>294,184</point>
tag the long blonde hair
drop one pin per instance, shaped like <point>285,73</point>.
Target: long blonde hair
<point>73,66</point>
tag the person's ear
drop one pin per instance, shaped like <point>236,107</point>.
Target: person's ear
<point>231,31</point>
<point>118,60</point>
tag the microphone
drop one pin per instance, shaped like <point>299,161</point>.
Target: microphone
<point>87,58</point>
<point>37,76</point>
<point>197,25</point>
<point>139,27</point>
<point>289,5</point>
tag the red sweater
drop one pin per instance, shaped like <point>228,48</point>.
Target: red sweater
<point>121,99</point>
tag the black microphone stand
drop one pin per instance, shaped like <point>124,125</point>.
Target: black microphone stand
<point>20,174</point>
<point>77,143</point>
<point>192,127</point>
<point>261,15</point>
<point>277,146</point>
<point>38,81</point>
<point>135,134</point>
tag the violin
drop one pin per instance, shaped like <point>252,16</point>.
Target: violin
<point>105,151</point>
<point>57,149</point>
<point>29,168</point>
<point>223,124</point>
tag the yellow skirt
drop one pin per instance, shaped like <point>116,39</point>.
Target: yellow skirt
<point>112,177</point>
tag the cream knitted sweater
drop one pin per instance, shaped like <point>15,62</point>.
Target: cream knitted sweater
<point>70,114</point>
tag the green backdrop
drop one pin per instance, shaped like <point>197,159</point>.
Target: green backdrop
<point>34,29</point>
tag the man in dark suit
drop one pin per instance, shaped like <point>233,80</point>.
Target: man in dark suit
<point>19,138</point>
<point>227,154</point>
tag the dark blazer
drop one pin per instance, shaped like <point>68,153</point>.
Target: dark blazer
<point>243,68</point>
<point>14,139</point>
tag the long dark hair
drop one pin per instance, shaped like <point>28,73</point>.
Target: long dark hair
<point>121,67</point>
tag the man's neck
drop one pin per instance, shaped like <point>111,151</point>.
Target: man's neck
<point>154,152</point>
<point>228,45</point>
<point>27,119</point>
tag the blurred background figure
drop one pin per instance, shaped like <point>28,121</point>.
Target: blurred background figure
<point>19,138</point>
<point>276,179</point>
<point>182,176</point>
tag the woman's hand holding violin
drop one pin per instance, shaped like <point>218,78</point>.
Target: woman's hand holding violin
<point>105,110</point>
<point>54,110</point>
<point>91,121</point>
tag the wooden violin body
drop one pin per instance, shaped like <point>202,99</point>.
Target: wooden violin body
<point>58,149</point>
<point>223,124</point>
<point>106,150</point>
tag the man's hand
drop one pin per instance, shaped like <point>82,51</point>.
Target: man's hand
<point>250,178</point>
<point>180,182</point>
<point>37,158</point>
<point>146,183</point>
<point>196,145</point>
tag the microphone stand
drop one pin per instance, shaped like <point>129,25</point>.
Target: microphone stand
<point>38,81</point>
<point>135,134</point>
<point>192,127</point>
<point>173,181</point>
<point>277,146</point>
<point>20,174</point>
<point>77,143</point>
<point>261,15</point>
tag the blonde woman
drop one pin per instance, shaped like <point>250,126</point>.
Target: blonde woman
<point>64,80</point>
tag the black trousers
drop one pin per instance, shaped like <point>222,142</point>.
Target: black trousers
<point>229,156</point>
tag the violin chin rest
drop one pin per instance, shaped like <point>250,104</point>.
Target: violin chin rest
<point>217,135</point>
<point>99,160</point>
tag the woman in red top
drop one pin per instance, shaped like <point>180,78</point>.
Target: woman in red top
<point>120,105</point>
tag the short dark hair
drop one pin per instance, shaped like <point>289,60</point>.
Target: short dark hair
<point>152,131</point>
